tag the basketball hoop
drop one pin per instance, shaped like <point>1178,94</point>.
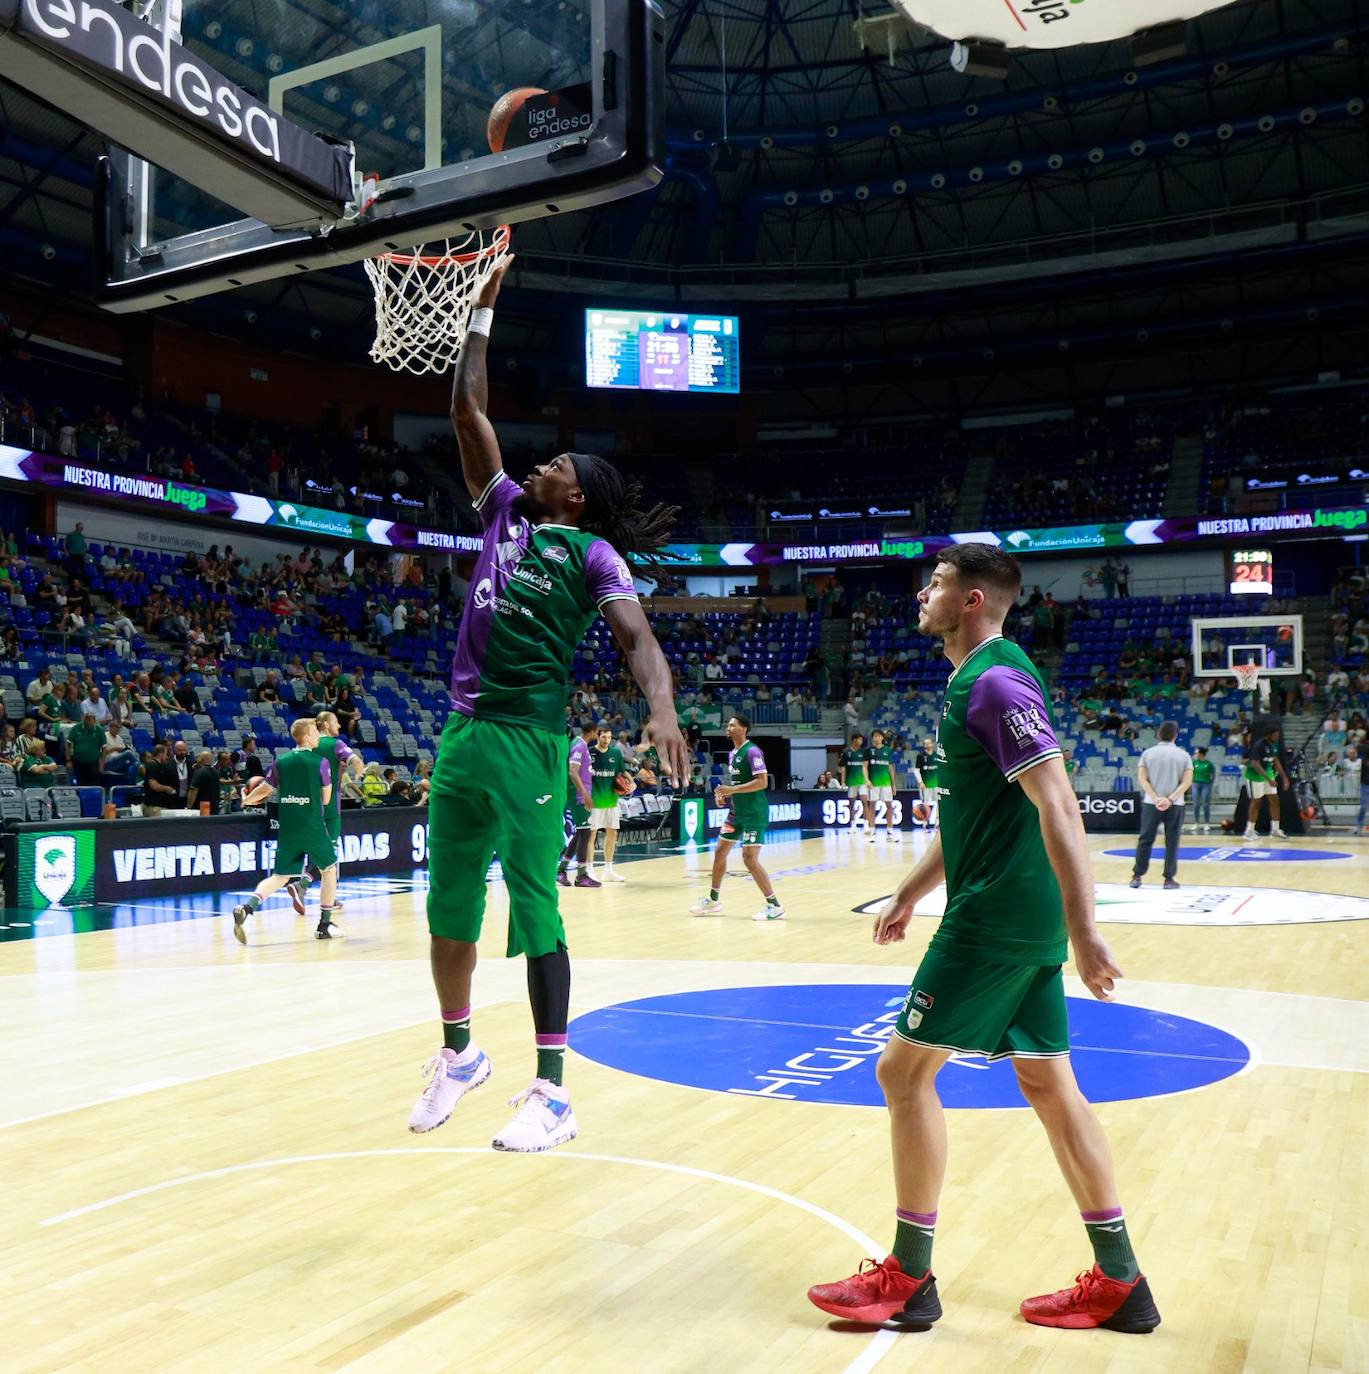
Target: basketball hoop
<point>1248,679</point>
<point>424,298</point>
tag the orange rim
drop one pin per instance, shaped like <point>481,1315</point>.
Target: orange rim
<point>498,244</point>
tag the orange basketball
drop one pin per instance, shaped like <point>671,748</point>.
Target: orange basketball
<point>921,812</point>
<point>501,115</point>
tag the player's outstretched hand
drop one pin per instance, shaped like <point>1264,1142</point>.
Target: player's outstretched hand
<point>489,291</point>
<point>670,745</point>
<point>1097,969</point>
<point>891,925</point>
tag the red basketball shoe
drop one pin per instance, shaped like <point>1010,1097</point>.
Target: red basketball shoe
<point>880,1293</point>
<point>1096,1300</point>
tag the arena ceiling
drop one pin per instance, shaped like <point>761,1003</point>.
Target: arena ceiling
<point>824,151</point>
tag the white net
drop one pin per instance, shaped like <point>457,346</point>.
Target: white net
<point>1248,679</point>
<point>424,298</point>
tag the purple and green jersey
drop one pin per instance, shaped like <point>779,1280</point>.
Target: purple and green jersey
<point>1002,899</point>
<point>579,765</point>
<point>534,592</point>
<point>336,751</point>
<point>751,810</point>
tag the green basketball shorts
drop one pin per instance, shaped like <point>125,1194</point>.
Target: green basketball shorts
<point>579,815</point>
<point>961,1001</point>
<point>751,837</point>
<point>332,821</point>
<point>294,853</point>
<point>496,789</point>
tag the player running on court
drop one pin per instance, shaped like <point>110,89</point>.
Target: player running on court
<point>854,759</point>
<point>1012,853</point>
<point>883,783</point>
<point>341,756</point>
<point>304,781</point>
<point>609,773</point>
<point>551,558</point>
<point>578,803</point>
<point>744,792</point>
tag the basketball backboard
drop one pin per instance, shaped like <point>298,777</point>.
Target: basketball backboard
<point>411,87</point>
<point>1272,641</point>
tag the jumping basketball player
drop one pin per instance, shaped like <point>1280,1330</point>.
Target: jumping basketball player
<point>552,557</point>
<point>1012,853</point>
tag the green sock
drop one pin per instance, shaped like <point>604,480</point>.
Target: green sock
<point>1111,1244</point>
<point>551,1058</point>
<point>772,900</point>
<point>456,1029</point>
<point>913,1241</point>
<point>712,894</point>
<point>253,903</point>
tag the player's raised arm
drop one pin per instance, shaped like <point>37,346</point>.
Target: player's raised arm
<point>475,437</point>
<point>628,622</point>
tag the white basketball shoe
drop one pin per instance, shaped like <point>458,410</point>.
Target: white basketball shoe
<point>543,1120</point>
<point>453,1076</point>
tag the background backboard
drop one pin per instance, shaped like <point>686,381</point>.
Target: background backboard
<point>411,86</point>
<point>1272,641</point>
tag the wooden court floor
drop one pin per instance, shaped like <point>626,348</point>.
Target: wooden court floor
<point>206,1166</point>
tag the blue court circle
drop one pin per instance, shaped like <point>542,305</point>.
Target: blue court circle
<point>1251,852</point>
<point>819,1042</point>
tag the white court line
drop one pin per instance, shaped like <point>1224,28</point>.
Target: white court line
<point>877,1348</point>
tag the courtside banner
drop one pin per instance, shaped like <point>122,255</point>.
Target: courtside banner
<point>1117,812</point>
<point>117,862</point>
<point>74,478</point>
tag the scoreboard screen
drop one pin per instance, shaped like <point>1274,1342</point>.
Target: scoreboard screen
<point>1252,572</point>
<point>656,350</point>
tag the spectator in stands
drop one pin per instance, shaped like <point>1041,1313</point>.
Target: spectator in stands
<point>384,627</point>
<point>119,760</point>
<point>9,744</point>
<point>85,749</point>
<point>423,774</point>
<point>348,712</point>
<point>372,785</point>
<point>50,712</point>
<point>40,687</point>
<point>269,690</point>
<point>401,793</point>
<point>400,619</point>
<point>248,763</point>
<point>28,735</point>
<point>162,699</point>
<point>181,767</point>
<point>229,787</point>
<point>205,789</point>
<point>95,706</point>
<point>186,697</point>
<point>36,769</point>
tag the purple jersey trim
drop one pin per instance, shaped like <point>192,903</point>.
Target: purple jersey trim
<point>606,575</point>
<point>580,762</point>
<point>272,776</point>
<point>1008,717</point>
<point>325,773</point>
<point>344,751</point>
<point>755,758</point>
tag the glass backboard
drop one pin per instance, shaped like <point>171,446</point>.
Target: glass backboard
<point>411,86</point>
<point>1274,642</point>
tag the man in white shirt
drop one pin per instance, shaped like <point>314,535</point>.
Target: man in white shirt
<point>1165,774</point>
<point>95,705</point>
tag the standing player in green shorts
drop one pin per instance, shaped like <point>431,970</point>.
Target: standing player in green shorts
<point>926,771</point>
<point>854,759</point>
<point>744,791</point>
<point>1015,862</point>
<point>551,559</point>
<point>305,784</point>
<point>610,781</point>
<point>883,783</point>
<point>340,756</point>
<point>578,803</point>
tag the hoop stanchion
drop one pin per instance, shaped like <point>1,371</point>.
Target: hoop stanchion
<point>424,298</point>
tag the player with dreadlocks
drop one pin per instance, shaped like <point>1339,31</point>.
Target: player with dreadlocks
<point>553,556</point>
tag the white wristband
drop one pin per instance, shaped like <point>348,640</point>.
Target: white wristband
<point>480,321</point>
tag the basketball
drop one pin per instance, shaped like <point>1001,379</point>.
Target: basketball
<point>921,811</point>
<point>623,785</point>
<point>503,111</point>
